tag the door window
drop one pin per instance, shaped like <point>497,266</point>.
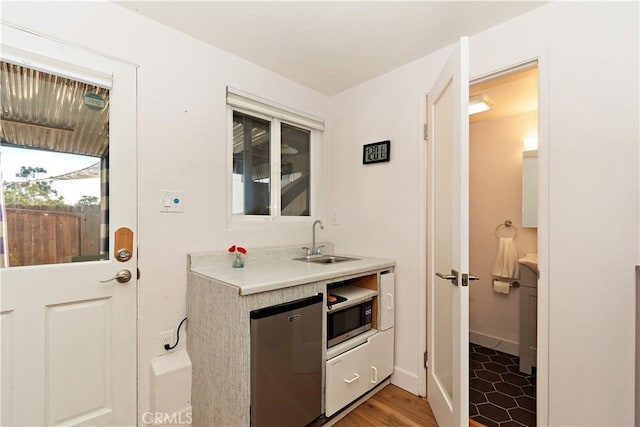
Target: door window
<point>54,157</point>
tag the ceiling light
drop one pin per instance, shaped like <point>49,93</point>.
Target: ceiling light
<point>480,103</point>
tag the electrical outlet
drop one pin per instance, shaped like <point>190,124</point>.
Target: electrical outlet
<point>166,337</point>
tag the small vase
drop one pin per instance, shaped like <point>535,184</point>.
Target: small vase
<point>238,261</point>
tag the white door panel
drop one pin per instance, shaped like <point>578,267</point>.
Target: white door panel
<point>448,252</point>
<point>6,366</point>
<point>68,340</point>
<point>380,356</point>
<point>78,358</point>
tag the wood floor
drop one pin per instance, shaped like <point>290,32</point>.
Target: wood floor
<point>392,406</point>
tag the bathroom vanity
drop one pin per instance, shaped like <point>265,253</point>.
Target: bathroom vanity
<point>220,300</point>
<point>528,312</point>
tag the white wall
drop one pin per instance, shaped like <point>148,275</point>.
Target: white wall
<point>589,63</point>
<point>377,204</point>
<point>495,195</point>
<point>591,54</point>
<point>181,145</point>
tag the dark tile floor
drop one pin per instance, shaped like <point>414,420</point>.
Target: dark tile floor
<point>499,394</point>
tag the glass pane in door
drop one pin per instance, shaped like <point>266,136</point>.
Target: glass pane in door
<point>54,148</point>
<point>443,239</point>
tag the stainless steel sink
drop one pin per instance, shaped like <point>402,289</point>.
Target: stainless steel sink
<point>325,259</point>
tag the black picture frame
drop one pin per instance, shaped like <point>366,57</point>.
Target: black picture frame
<point>376,152</point>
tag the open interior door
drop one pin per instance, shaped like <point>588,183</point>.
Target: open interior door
<point>448,241</point>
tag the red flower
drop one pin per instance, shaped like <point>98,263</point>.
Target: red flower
<point>240,249</point>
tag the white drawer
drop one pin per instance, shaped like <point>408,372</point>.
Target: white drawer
<point>347,378</point>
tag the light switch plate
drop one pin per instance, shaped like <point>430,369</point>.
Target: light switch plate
<point>334,217</point>
<point>171,201</point>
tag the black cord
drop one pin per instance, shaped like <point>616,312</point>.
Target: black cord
<point>169,347</point>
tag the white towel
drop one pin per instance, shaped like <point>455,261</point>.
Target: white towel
<point>506,265</point>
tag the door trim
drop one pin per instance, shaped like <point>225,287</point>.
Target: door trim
<point>542,388</point>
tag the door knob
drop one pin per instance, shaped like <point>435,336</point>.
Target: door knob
<point>122,276</point>
<point>453,277</point>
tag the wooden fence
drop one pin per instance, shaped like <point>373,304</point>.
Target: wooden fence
<point>51,234</point>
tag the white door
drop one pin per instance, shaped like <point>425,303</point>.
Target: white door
<point>448,242</point>
<point>68,340</point>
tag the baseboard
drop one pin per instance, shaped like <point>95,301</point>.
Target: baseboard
<point>406,380</point>
<point>505,346</point>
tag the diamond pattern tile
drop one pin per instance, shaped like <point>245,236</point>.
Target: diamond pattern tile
<point>500,395</point>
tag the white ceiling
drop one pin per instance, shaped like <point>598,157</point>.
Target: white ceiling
<point>330,46</point>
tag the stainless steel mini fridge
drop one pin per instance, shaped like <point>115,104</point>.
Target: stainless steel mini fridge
<point>286,364</point>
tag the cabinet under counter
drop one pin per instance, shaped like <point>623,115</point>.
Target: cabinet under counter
<point>219,345</point>
<point>219,342</point>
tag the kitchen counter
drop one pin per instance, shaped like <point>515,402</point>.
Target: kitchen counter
<point>272,269</point>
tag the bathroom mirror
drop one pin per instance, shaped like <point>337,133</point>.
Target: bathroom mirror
<point>530,188</point>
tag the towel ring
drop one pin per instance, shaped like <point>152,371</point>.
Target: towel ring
<point>507,224</point>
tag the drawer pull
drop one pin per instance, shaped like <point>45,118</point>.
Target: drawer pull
<point>375,375</point>
<point>349,381</point>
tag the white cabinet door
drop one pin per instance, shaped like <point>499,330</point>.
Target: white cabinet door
<point>347,378</point>
<point>386,296</point>
<point>380,356</point>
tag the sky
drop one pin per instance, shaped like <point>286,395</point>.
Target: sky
<point>12,158</point>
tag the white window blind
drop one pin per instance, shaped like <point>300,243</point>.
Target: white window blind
<point>240,99</point>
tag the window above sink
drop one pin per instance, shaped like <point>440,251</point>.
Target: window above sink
<point>274,161</point>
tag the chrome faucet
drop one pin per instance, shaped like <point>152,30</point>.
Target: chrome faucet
<point>314,250</point>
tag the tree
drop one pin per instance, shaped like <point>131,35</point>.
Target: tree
<point>30,190</point>
<point>87,201</point>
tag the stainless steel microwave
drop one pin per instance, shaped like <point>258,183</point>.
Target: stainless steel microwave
<point>346,323</point>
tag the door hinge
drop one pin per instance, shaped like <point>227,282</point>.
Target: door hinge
<point>426,132</point>
<point>426,360</point>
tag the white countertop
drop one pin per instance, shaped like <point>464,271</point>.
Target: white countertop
<point>278,270</point>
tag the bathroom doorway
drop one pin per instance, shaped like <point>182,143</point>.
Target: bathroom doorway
<point>503,246</point>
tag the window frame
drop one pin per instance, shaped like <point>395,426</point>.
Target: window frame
<point>275,195</point>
